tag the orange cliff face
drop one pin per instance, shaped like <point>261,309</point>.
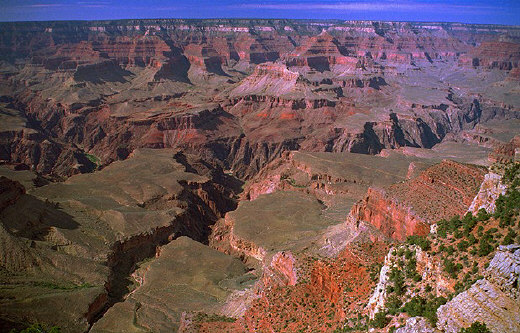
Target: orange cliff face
<point>394,219</point>
<point>320,53</point>
<point>408,208</point>
<point>281,271</point>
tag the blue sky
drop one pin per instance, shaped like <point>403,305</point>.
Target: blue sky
<point>476,11</point>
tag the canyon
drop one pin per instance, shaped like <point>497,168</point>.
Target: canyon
<point>252,175</point>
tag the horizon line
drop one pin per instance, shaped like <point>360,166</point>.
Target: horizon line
<point>261,19</point>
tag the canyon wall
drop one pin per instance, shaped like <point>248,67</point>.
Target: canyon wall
<point>408,208</point>
<point>240,93</point>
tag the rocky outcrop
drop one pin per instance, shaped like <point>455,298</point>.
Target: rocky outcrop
<point>504,270</point>
<point>497,54</point>
<point>377,301</point>
<point>232,95</point>
<point>271,79</point>
<point>24,144</point>
<point>489,192</point>
<point>324,281</point>
<point>394,219</point>
<point>224,239</point>
<point>204,57</point>
<point>16,256</point>
<point>406,208</point>
<point>38,153</point>
<point>89,233</point>
<point>506,152</point>
<point>320,53</point>
<point>10,192</point>
<point>158,303</point>
<point>107,88</point>
<point>417,325</point>
<point>427,266</point>
<point>493,300</point>
<point>281,271</point>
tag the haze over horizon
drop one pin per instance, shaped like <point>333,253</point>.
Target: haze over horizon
<point>465,11</point>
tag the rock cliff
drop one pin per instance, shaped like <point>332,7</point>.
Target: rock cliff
<point>243,92</point>
<point>406,208</point>
<point>492,300</point>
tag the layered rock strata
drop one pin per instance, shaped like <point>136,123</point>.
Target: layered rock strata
<point>407,208</point>
<point>493,300</point>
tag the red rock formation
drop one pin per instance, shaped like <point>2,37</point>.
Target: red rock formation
<point>320,53</point>
<point>204,57</point>
<point>407,208</point>
<point>501,55</point>
<point>324,282</point>
<point>282,271</point>
<point>132,51</point>
<point>514,74</point>
<point>32,149</point>
<point>394,219</point>
<point>113,105</point>
<point>506,152</point>
<point>225,240</point>
<point>332,290</point>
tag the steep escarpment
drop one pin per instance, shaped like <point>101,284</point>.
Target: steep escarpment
<point>16,254</point>
<point>501,55</point>
<point>429,283</point>
<point>157,303</point>
<point>406,209</point>
<point>320,53</point>
<point>29,147</point>
<point>337,179</point>
<point>506,152</point>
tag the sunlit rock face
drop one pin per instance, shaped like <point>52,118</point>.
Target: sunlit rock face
<point>498,291</point>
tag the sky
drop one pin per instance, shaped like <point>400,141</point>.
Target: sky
<point>466,11</point>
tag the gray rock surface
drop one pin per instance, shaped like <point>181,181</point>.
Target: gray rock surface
<point>489,192</point>
<point>417,325</point>
<point>492,300</point>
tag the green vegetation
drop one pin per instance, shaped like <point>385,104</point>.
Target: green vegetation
<point>463,245</point>
<point>396,282</point>
<point>512,175</point>
<point>292,182</point>
<point>451,268</point>
<point>393,304</point>
<point>380,320</point>
<point>476,327</point>
<point>510,237</point>
<point>374,270</point>
<point>484,248</point>
<point>38,328</point>
<point>355,324</point>
<point>419,306</point>
<point>423,242</point>
<point>92,158</point>
<point>508,205</point>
